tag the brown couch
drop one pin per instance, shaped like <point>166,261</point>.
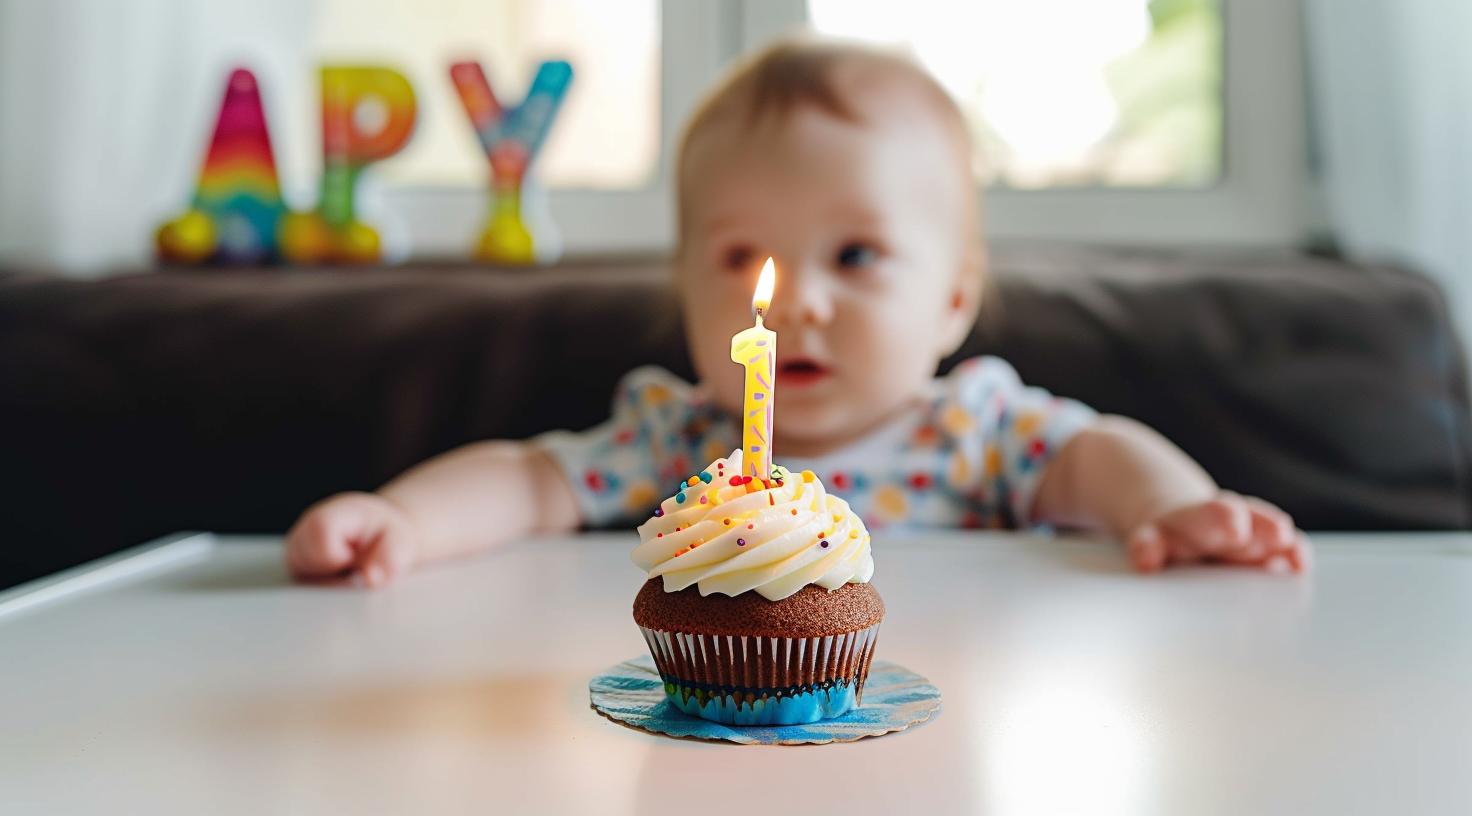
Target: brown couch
<point>227,400</point>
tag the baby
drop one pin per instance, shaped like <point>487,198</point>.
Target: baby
<point>851,167</point>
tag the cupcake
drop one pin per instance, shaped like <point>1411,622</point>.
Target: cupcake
<point>758,608</point>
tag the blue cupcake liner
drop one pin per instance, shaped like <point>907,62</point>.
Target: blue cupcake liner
<point>750,680</point>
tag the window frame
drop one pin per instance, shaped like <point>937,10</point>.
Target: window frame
<point>1262,199</point>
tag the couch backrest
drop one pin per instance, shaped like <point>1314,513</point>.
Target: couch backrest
<point>228,400</point>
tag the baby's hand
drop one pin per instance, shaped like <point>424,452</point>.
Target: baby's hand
<point>351,533</point>
<point>1229,529</point>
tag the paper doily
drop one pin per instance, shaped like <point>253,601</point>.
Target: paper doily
<point>895,698</point>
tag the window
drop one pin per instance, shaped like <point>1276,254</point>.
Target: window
<point>1126,121</point>
<point>1213,153</point>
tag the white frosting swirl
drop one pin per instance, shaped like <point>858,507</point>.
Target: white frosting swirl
<point>774,538</point>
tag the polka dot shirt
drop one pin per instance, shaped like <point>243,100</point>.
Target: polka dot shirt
<point>971,456</point>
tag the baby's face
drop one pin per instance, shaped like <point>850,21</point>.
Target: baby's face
<point>867,223</point>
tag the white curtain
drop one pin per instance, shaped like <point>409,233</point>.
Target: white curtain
<point>106,107</point>
<point>1391,82</point>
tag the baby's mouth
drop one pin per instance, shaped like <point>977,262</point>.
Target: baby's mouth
<point>799,372</point>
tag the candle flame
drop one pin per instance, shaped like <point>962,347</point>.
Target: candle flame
<point>762,299</point>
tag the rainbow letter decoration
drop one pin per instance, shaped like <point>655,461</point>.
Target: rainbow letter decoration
<point>332,233</point>
<point>237,200</point>
<point>511,139</point>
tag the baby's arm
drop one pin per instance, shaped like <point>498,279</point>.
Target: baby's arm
<point>469,499</point>
<point>1127,478</point>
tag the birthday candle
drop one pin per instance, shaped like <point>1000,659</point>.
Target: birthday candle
<point>756,349</point>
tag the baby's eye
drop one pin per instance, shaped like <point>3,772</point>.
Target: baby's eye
<point>737,259</point>
<point>857,255</point>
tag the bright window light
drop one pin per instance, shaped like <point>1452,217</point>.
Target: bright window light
<point>1067,93</point>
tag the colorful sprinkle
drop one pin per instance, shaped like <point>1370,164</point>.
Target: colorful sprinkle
<point>680,498</point>
<point>735,481</point>
<point>728,522</point>
<point>658,511</point>
<point>751,526</point>
<point>702,500</point>
<point>853,533</point>
<point>693,481</point>
<point>741,542</point>
<point>823,543</point>
<point>705,476</point>
<point>794,511</point>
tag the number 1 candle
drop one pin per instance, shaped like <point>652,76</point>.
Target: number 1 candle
<point>756,349</point>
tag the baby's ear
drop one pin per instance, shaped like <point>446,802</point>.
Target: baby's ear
<point>964,303</point>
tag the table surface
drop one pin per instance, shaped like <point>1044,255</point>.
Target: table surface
<point>195,678</point>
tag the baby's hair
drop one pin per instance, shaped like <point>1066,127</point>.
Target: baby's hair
<point>800,72</point>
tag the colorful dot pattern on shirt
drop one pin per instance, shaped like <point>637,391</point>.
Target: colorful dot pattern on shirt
<point>973,460</point>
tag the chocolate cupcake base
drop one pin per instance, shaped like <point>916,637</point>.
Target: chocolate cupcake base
<point>744,680</point>
<point>750,661</point>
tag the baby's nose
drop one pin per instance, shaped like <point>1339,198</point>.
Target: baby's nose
<point>801,299</point>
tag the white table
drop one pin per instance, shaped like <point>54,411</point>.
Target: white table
<point>195,679</point>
